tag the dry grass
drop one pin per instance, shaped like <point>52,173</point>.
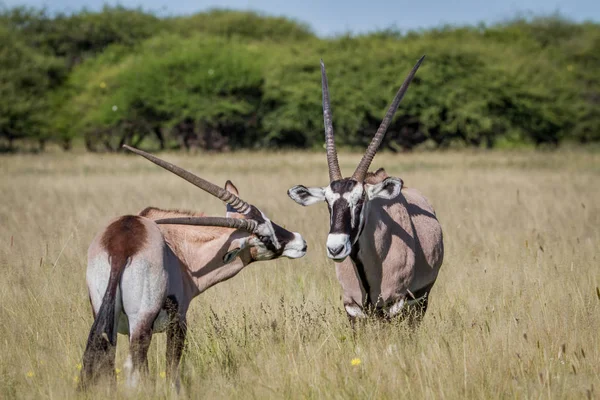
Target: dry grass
<point>515,312</point>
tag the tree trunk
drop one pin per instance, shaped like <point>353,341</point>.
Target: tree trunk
<point>159,135</point>
<point>66,144</point>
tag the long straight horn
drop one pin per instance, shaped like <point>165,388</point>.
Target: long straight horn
<point>363,166</point>
<point>236,223</point>
<point>332,160</point>
<point>240,205</point>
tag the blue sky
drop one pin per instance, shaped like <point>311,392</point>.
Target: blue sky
<point>328,17</point>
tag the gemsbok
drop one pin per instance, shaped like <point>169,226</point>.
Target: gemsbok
<point>385,238</point>
<point>142,276</point>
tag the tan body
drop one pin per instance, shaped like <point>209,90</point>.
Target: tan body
<point>200,250</point>
<point>144,270</point>
<point>172,265</point>
<point>191,258</point>
<point>385,239</point>
<point>401,251</point>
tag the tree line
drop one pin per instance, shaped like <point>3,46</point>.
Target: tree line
<point>225,80</point>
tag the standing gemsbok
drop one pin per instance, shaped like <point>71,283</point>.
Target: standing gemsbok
<point>390,233</point>
<point>142,276</point>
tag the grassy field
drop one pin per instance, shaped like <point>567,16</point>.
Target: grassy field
<point>515,312</point>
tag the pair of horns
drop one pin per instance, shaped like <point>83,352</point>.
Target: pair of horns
<point>363,167</point>
<point>238,204</point>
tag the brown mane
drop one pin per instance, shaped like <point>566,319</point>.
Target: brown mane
<point>378,176</point>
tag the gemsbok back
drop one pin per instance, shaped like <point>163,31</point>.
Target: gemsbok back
<point>144,270</point>
<point>385,238</point>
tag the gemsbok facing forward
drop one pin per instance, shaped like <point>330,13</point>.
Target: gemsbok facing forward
<point>142,277</point>
<point>385,239</point>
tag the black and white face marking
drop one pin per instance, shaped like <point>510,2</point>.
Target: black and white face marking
<point>272,241</point>
<point>346,199</point>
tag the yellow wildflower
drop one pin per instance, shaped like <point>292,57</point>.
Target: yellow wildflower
<point>79,366</point>
<point>118,371</point>
<point>103,85</point>
<point>163,374</point>
<point>30,374</point>
<point>75,379</point>
<point>355,362</point>
<point>569,67</point>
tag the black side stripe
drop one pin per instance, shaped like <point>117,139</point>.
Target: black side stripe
<point>362,276</point>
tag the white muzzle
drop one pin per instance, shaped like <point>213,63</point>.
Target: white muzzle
<point>338,246</point>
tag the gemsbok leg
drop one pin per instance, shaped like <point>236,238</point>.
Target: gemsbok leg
<point>176,331</point>
<point>144,289</point>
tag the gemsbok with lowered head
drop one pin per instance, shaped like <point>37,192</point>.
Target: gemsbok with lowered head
<point>144,270</point>
<point>385,238</point>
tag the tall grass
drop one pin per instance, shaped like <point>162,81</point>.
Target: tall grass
<point>515,312</point>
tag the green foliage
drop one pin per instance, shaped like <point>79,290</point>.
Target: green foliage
<point>227,79</point>
<point>465,91</point>
<point>211,82</point>
<point>25,78</point>
<point>240,24</point>
<point>82,34</point>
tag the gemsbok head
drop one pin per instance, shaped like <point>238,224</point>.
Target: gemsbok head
<point>265,241</point>
<point>385,239</point>
<point>144,270</point>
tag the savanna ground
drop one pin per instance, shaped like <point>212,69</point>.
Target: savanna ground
<point>515,312</point>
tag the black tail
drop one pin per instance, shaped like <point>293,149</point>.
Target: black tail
<point>99,355</point>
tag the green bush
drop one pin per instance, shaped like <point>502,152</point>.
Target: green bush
<point>226,79</point>
<point>25,79</point>
<point>80,35</point>
<point>210,83</point>
<point>240,24</point>
<point>469,89</point>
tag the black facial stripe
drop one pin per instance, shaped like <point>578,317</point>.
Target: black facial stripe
<point>342,220</point>
<point>340,212</point>
<point>340,217</point>
<point>266,240</point>
<point>255,214</point>
<point>231,209</point>
<point>283,236</point>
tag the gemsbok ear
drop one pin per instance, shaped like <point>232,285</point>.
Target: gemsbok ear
<point>230,187</point>
<point>306,196</point>
<point>238,245</point>
<point>387,189</point>
<point>230,211</point>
